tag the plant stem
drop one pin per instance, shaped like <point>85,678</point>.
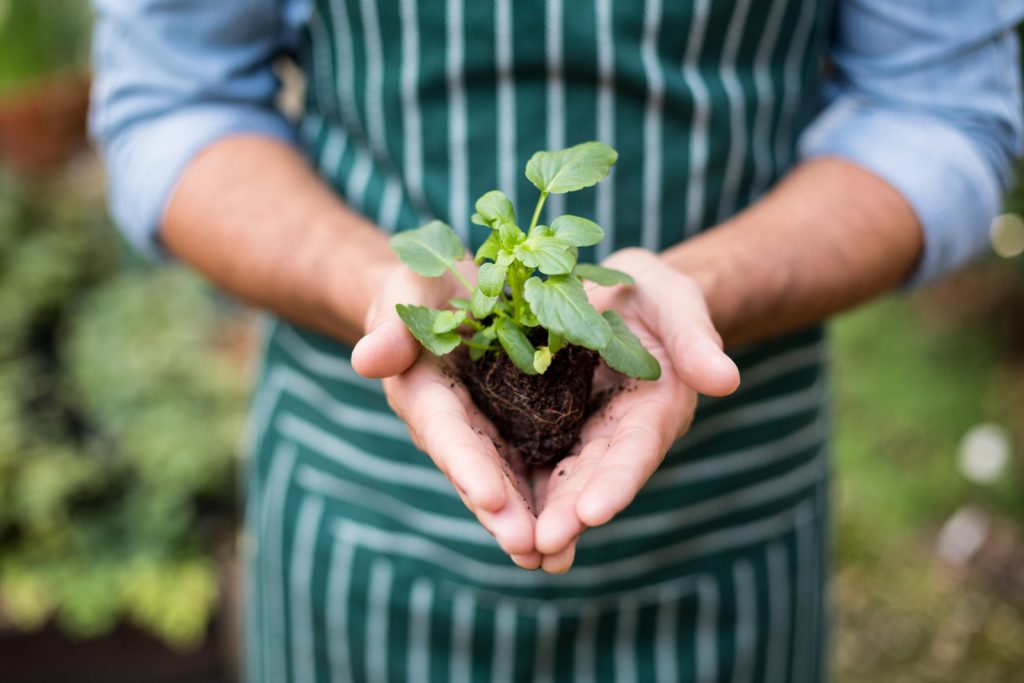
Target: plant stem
<point>516,285</point>
<point>536,212</point>
<point>458,276</point>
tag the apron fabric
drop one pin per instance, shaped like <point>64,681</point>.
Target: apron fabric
<point>362,562</point>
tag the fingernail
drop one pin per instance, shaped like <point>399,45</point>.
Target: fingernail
<point>522,562</point>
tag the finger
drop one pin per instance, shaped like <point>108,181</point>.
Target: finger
<point>529,561</point>
<point>558,523</point>
<point>388,349</point>
<point>440,426</point>
<point>701,363</point>
<point>512,528</point>
<point>637,447</point>
<point>560,562</point>
<point>683,325</point>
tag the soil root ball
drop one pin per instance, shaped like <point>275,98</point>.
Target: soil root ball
<point>540,415</point>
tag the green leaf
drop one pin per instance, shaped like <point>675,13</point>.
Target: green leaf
<point>539,230</point>
<point>550,254</point>
<point>481,305</point>
<point>579,232</point>
<point>504,258</point>
<point>571,169</point>
<point>491,278</point>
<point>420,321</point>
<point>489,249</point>
<point>494,208</point>
<point>510,235</point>
<point>428,250</point>
<point>625,353</point>
<point>541,359</point>
<point>516,345</point>
<point>479,341</point>
<point>460,303</point>
<point>448,321</point>
<point>561,306</point>
<point>555,341</point>
<point>606,277</point>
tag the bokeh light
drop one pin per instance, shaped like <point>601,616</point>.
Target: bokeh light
<point>1007,235</point>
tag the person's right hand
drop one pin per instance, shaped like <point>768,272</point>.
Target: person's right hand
<point>440,415</point>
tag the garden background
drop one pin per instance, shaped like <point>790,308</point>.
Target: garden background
<point>122,398</point>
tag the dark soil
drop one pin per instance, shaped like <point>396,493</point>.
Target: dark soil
<point>540,415</point>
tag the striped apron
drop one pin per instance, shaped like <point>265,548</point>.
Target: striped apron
<point>363,564</point>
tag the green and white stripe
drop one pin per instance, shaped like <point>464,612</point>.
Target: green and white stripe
<point>363,563</point>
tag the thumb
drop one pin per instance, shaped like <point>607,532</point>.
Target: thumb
<point>691,340</point>
<point>388,349</point>
<point>701,363</point>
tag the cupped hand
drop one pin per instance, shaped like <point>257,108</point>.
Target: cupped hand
<point>440,415</point>
<point>624,443</point>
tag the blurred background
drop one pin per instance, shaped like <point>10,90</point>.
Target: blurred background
<point>117,525</point>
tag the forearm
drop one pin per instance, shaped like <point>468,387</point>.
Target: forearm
<point>252,216</point>
<point>830,236</point>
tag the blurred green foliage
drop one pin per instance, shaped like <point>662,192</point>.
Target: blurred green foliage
<point>41,36</point>
<point>122,393</point>
<point>912,376</point>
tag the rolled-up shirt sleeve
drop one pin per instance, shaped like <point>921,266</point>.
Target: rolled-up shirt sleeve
<point>170,78</point>
<point>927,96</point>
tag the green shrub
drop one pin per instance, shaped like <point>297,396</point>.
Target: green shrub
<point>41,36</point>
<point>121,402</point>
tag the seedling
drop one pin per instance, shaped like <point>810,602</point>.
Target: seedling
<point>528,304</point>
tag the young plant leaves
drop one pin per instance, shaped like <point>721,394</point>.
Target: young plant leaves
<point>489,249</point>
<point>555,341</point>
<point>606,277</point>
<point>542,359</point>
<point>549,254</point>
<point>561,306</point>
<point>420,321</point>
<point>510,235</point>
<point>579,232</point>
<point>493,209</point>
<point>476,353</point>
<point>481,342</point>
<point>571,169</point>
<point>491,278</point>
<point>625,353</point>
<point>448,321</point>
<point>481,305</point>
<point>428,250</point>
<point>516,345</point>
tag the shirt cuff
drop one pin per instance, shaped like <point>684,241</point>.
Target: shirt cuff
<point>938,170</point>
<point>147,161</point>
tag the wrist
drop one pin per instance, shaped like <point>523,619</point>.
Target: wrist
<point>350,263</point>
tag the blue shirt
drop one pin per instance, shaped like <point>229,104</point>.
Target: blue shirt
<point>925,94</point>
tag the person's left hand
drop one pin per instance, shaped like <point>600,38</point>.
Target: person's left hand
<point>623,444</point>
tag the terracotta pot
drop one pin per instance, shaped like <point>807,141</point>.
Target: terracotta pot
<point>43,124</point>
